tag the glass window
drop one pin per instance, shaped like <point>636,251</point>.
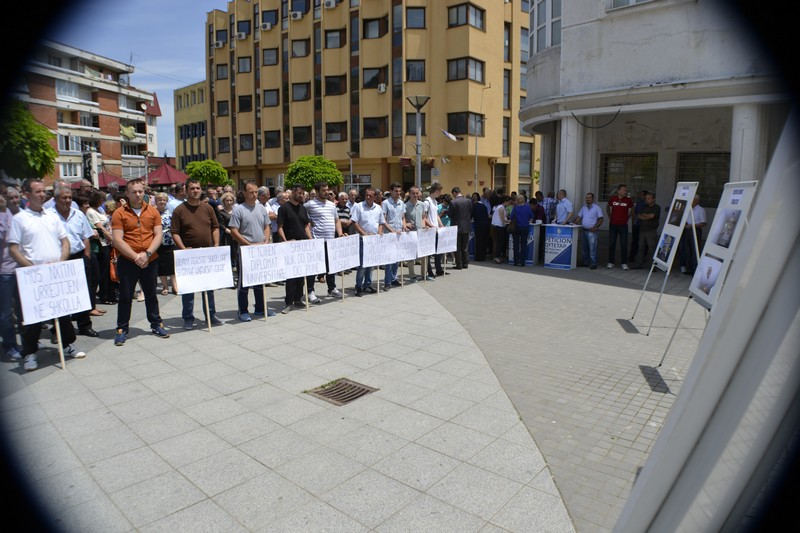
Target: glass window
<point>246,141</point>
<point>270,16</point>
<point>507,42</point>
<point>506,122</point>
<point>243,26</point>
<point>375,127</point>
<point>272,139</point>
<point>224,145</point>
<point>637,171</point>
<point>335,38</point>
<point>222,108</point>
<point>374,76</point>
<point>335,85</point>
<point>506,89</point>
<point>523,44</point>
<point>465,123</point>
<point>269,56</point>
<point>415,17</point>
<point>222,71</point>
<point>376,28</point>
<point>222,35</point>
<point>526,6</point>
<point>525,159</point>
<point>463,68</point>
<point>466,14</point>
<point>335,131</point>
<point>300,5</point>
<point>245,103</point>
<point>411,123</point>
<point>301,135</point>
<point>711,169</point>
<point>300,47</point>
<point>415,70</point>
<point>243,66</point>
<point>301,91</point>
<point>271,97</point>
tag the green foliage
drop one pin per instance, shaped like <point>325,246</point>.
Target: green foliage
<point>209,172</point>
<point>311,169</point>
<point>25,150</point>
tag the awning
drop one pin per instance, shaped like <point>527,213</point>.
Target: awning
<point>104,179</point>
<point>166,175</point>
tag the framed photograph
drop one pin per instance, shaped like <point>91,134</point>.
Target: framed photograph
<point>665,247</point>
<point>725,226</point>
<point>676,214</point>
<point>707,273</point>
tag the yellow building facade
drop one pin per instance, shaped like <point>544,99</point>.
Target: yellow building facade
<point>287,78</point>
<point>191,124</point>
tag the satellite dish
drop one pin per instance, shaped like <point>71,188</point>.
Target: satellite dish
<point>143,106</point>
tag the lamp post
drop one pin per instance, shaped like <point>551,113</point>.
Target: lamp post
<point>418,102</point>
<point>350,156</point>
<point>147,154</point>
<point>483,127</point>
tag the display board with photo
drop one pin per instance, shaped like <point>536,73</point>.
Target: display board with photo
<point>667,248</point>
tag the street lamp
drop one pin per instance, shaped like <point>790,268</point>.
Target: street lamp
<point>146,154</point>
<point>483,127</point>
<point>350,156</point>
<point>418,102</point>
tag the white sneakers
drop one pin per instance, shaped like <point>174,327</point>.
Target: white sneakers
<point>30,362</point>
<point>336,293</point>
<point>72,352</point>
<point>312,297</point>
<point>624,266</point>
<point>610,265</point>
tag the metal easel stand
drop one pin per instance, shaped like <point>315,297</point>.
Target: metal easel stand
<point>674,331</point>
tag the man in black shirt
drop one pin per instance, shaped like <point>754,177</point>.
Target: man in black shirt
<point>294,225</point>
<point>648,227</point>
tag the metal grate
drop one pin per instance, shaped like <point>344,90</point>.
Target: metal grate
<point>341,391</point>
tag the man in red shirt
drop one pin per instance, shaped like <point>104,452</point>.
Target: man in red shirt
<point>619,211</point>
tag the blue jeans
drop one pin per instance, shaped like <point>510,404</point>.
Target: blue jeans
<point>188,306</point>
<point>8,291</point>
<point>590,247</point>
<point>520,245</point>
<point>363,275</point>
<point>390,274</point>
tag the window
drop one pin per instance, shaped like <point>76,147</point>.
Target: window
<point>222,35</point>
<point>270,16</point>
<point>300,47</point>
<point>243,66</point>
<point>376,28</point>
<point>54,61</point>
<point>525,159</point>
<point>638,171</point>
<point>466,14</point>
<point>222,108</point>
<point>463,68</point>
<point>272,139</point>
<point>194,97</point>
<point>624,3</point>
<point>507,42</point>
<point>506,89</point>
<point>301,91</point>
<point>374,76</point>
<point>69,143</point>
<point>70,170</point>
<point>544,19</point>
<point>526,6</point>
<point>415,17</point>
<point>411,124</point>
<point>301,135</point>
<point>415,70</point>
<point>376,127</point>
<point>711,169</point>
<point>465,123</point>
<point>243,26</point>
<point>271,97</point>
<point>66,88</point>
<point>523,76</point>
<point>200,96</point>
<point>300,5</point>
<point>224,145</point>
<point>269,56</point>
<point>245,103</point>
<point>506,122</point>
<point>335,132</point>
<point>335,85</point>
<point>130,149</point>
<point>89,120</point>
<point>523,45</point>
<point>335,38</point>
<point>222,71</point>
<point>246,141</point>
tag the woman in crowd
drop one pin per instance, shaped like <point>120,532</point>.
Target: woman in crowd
<point>499,223</point>
<point>166,264</point>
<point>224,217</point>
<point>89,205</point>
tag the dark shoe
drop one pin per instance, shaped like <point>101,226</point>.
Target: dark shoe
<point>89,332</point>
<point>120,337</point>
<point>215,321</point>
<point>359,293</point>
<point>593,267</point>
<point>159,331</point>
<point>370,289</point>
<point>396,283</point>
<point>188,324</point>
<point>457,267</point>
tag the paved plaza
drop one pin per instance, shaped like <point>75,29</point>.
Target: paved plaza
<point>511,399</point>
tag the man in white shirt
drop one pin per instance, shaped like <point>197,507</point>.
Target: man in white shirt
<point>178,198</point>
<point>563,208</point>
<point>436,222</point>
<point>369,220</point>
<point>686,248</point>
<point>394,211</point>
<point>37,236</point>
<point>590,217</point>
<point>325,224</point>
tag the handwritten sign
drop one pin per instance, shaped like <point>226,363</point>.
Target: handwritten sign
<point>203,269</point>
<point>426,242</point>
<point>304,258</point>
<point>407,246</point>
<point>448,239</point>
<point>343,253</point>
<point>377,251</point>
<point>267,263</point>
<point>52,290</point>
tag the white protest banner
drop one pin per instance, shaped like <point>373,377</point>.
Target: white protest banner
<point>203,269</point>
<point>378,250</point>
<point>52,290</point>
<point>426,242</point>
<point>407,246</point>
<point>678,212</point>
<point>343,253</point>
<point>304,258</point>
<point>260,264</point>
<point>448,240</point>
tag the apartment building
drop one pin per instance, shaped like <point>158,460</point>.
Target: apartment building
<point>102,123</point>
<point>191,124</point>
<point>303,77</point>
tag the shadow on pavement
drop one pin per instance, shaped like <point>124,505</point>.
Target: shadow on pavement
<point>654,379</point>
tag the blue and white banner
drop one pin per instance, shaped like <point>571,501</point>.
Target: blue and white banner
<point>558,243</point>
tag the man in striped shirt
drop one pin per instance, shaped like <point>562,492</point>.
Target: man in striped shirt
<point>325,224</point>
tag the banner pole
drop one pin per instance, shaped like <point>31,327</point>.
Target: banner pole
<point>658,302</point>
<point>674,331</point>
<point>342,285</point>
<point>400,266</point>
<point>378,278</point>
<point>266,307</point>
<point>305,286</point>
<point>208,314</point>
<point>60,346</point>
<point>424,268</point>
<point>641,294</point>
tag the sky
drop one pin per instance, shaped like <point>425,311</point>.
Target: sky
<point>163,39</point>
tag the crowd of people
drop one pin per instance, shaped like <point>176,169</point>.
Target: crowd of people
<point>127,239</point>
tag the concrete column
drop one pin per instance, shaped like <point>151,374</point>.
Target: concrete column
<point>570,157</point>
<point>547,167</point>
<point>748,142</point>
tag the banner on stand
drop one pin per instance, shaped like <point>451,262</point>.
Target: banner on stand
<point>203,269</point>
<point>407,246</point>
<point>343,253</point>
<point>674,223</point>
<point>378,250</point>
<point>268,263</point>
<point>52,290</point>
<point>447,240</point>
<point>426,242</point>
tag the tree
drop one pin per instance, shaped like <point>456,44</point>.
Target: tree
<point>25,150</point>
<point>311,169</point>
<point>209,172</point>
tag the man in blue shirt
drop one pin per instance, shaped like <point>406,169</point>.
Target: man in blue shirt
<point>563,208</point>
<point>590,217</point>
<point>521,217</point>
<point>369,220</point>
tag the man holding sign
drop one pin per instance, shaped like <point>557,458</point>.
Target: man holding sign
<point>195,225</point>
<point>369,220</point>
<point>394,211</point>
<point>294,225</point>
<point>325,224</point>
<point>37,236</point>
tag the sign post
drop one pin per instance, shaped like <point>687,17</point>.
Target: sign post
<point>203,269</point>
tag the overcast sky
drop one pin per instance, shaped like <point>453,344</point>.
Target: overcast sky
<point>163,39</point>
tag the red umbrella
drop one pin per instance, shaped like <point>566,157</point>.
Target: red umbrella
<point>104,179</point>
<point>166,175</point>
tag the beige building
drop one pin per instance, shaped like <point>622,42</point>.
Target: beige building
<point>331,77</point>
<point>191,124</point>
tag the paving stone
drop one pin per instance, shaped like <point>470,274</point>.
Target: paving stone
<point>189,447</point>
<point>514,461</point>
<point>96,514</point>
<point>456,441</point>
<point>242,428</point>
<point>163,426</point>
<point>370,497</point>
<point>320,470</point>
<point>222,471</point>
<point>475,490</point>
<point>416,466</point>
<point>156,498</point>
<point>430,514</point>
<point>203,517</point>
<point>315,516</point>
<point>278,447</point>
<point>535,511</point>
<point>128,468</point>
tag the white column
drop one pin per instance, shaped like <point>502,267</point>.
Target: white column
<point>547,163</point>
<point>570,157</point>
<point>748,142</point>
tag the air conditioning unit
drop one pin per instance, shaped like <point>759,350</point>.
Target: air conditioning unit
<point>241,36</point>
<point>219,44</point>
<point>381,88</point>
<point>330,4</point>
<point>297,15</point>
<point>266,26</point>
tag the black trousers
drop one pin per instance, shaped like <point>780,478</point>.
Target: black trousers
<point>294,291</point>
<point>129,274</point>
<point>84,319</point>
<point>31,333</point>
<point>481,242</point>
<point>462,249</point>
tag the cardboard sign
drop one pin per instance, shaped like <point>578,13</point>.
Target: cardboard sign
<point>426,242</point>
<point>52,290</point>
<point>343,253</point>
<point>448,240</point>
<point>560,245</point>
<point>678,213</point>
<point>304,258</point>
<point>378,250</point>
<point>268,263</point>
<point>406,245</point>
<point>203,269</point>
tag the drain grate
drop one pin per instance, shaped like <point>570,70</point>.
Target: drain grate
<point>341,391</point>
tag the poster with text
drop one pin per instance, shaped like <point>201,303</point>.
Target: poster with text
<point>448,240</point>
<point>559,243</point>
<point>261,264</point>
<point>203,269</point>
<point>426,242</point>
<point>52,290</point>
<point>407,246</point>
<point>679,209</point>
<point>304,258</point>
<point>343,253</point>
<point>378,250</point>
